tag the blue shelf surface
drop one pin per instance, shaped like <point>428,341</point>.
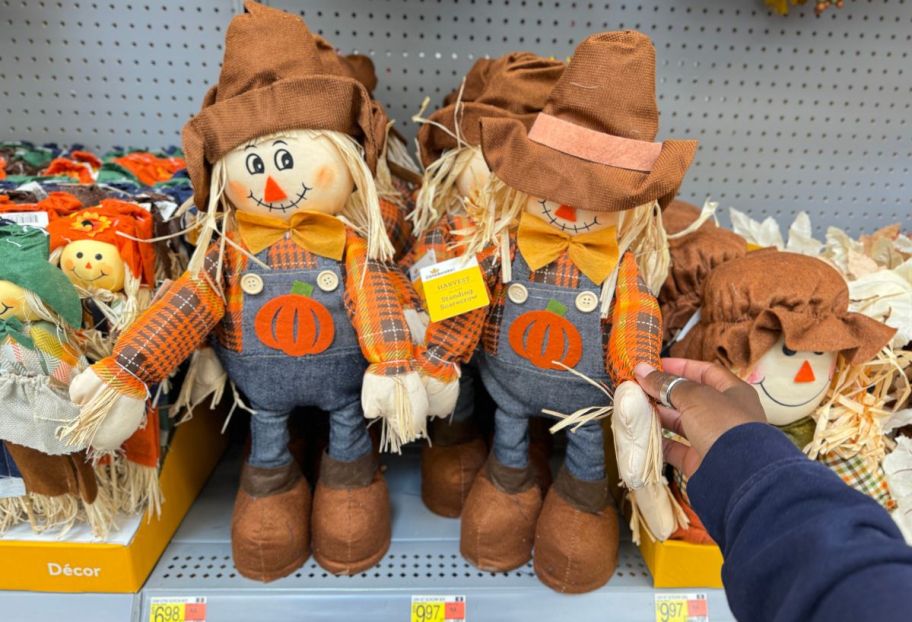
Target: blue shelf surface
<point>423,559</point>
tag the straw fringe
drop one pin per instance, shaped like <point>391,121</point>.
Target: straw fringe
<point>82,430</point>
<point>401,428</point>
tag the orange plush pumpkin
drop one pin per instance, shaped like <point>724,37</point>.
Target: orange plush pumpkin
<point>546,338</point>
<point>295,324</point>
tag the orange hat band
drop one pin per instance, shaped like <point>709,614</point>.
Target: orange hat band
<point>593,146</point>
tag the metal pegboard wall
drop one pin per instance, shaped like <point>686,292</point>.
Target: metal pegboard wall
<point>792,112</point>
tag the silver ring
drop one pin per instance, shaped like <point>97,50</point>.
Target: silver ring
<point>665,392</point>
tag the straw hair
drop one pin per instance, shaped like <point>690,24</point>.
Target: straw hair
<point>640,230</point>
<point>438,194</point>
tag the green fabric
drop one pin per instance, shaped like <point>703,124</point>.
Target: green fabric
<point>24,261</point>
<point>12,327</point>
<point>800,432</point>
<point>113,172</point>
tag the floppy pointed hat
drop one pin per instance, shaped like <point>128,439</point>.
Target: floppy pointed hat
<point>272,80</point>
<point>749,302</point>
<point>514,86</point>
<point>592,146</point>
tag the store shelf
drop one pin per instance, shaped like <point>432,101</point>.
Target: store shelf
<point>423,559</point>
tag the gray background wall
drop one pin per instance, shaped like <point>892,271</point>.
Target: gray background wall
<point>793,113</point>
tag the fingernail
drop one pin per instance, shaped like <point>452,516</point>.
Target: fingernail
<point>643,369</point>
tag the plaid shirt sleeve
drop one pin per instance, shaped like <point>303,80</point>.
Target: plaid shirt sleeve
<point>636,325</point>
<point>454,340</point>
<point>166,333</point>
<point>397,226</point>
<point>375,309</point>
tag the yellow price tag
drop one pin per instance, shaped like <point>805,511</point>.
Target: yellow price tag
<point>681,608</point>
<point>171,609</point>
<point>453,287</point>
<point>438,609</point>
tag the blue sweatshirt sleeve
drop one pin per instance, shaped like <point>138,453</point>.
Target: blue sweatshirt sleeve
<point>798,543</point>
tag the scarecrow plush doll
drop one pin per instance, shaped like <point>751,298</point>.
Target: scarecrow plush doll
<point>39,355</point>
<point>295,293</point>
<point>105,252</point>
<point>780,320</point>
<point>514,86</point>
<point>563,248</point>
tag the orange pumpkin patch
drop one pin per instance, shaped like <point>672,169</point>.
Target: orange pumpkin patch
<point>545,338</point>
<point>294,324</point>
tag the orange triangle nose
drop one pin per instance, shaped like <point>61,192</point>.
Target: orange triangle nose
<point>566,212</point>
<point>805,374</point>
<point>273,192</point>
<point>88,265</point>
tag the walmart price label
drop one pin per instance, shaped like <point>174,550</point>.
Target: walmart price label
<point>681,608</point>
<point>177,609</point>
<point>438,609</point>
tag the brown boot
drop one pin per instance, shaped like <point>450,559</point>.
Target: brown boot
<point>351,516</point>
<point>449,466</point>
<point>498,520</point>
<point>577,539</point>
<point>270,527</point>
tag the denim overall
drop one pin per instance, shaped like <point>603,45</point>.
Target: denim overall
<point>275,383</point>
<point>521,390</point>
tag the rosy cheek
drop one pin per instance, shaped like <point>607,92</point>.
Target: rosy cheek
<point>755,377</point>
<point>325,177</point>
<point>68,264</point>
<point>832,370</point>
<point>238,190</point>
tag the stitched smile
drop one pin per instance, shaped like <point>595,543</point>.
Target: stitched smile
<point>6,308</point>
<point>282,207</point>
<point>815,396</point>
<point>574,228</point>
<point>82,278</point>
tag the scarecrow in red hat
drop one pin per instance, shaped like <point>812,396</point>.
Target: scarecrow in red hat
<point>572,247</point>
<point>295,293</point>
<point>513,86</point>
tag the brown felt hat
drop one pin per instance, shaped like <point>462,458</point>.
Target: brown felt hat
<point>272,80</point>
<point>514,86</point>
<point>749,302</point>
<point>693,257</point>
<point>592,146</point>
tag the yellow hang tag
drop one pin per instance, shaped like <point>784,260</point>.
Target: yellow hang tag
<point>453,287</point>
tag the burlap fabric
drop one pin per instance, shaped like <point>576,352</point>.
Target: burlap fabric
<point>750,301</point>
<point>608,87</point>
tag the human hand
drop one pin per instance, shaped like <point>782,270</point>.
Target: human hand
<point>711,401</point>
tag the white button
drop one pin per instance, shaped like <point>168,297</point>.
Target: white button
<point>327,280</point>
<point>587,302</point>
<point>252,284</point>
<point>518,293</point>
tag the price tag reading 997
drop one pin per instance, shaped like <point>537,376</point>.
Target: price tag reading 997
<point>681,608</point>
<point>438,609</point>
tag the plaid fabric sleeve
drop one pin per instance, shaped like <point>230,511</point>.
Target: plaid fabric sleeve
<point>397,226</point>
<point>636,325</point>
<point>454,340</point>
<point>166,333</point>
<point>374,305</point>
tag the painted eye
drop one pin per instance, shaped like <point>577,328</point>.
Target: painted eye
<point>98,256</point>
<point>79,255</point>
<point>787,351</point>
<point>255,164</point>
<point>283,159</point>
<point>818,353</point>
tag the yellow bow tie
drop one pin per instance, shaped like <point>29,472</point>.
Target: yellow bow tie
<point>315,232</point>
<point>595,253</point>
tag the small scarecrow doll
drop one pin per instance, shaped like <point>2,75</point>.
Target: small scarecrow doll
<point>296,294</point>
<point>568,300</point>
<point>105,252</point>
<point>824,375</point>
<point>514,86</point>
<point>39,355</point>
